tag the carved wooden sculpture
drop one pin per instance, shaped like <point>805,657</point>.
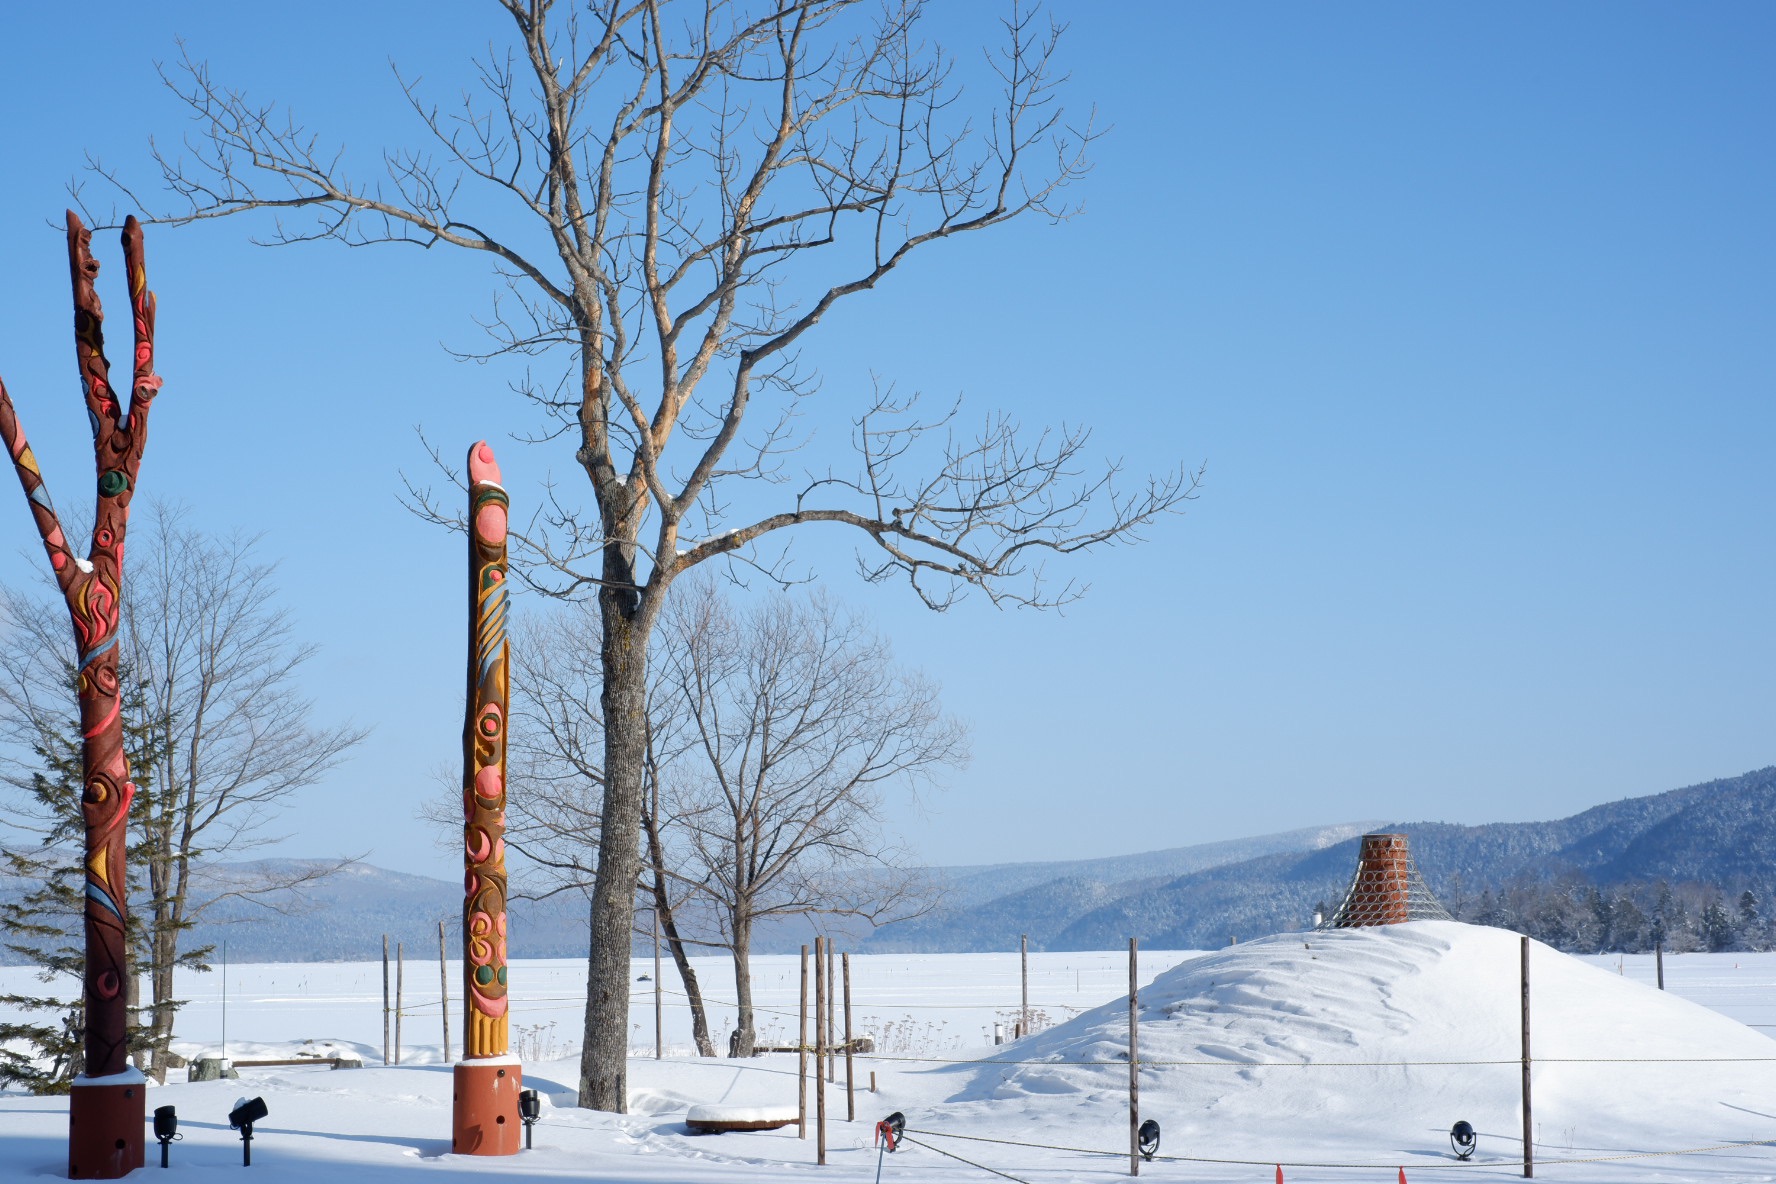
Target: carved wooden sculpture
<point>105,1112</point>
<point>488,1079</point>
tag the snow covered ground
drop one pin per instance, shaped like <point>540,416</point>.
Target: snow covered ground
<point>1292,1049</point>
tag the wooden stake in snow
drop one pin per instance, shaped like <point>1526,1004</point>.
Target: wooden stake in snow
<point>820,993</point>
<point>400,976</point>
<point>1528,1147</point>
<point>1659,961</point>
<point>1134,1062</point>
<point>385,998</point>
<point>802,1058</point>
<point>659,1006</point>
<point>832,1061</point>
<point>850,1092</point>
<point>444,990</point>
<point>1024,976</point>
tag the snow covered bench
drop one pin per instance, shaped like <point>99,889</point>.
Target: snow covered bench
<point>713,1120</point>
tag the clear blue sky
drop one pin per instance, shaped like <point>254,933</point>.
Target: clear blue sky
<point>1469,309</point>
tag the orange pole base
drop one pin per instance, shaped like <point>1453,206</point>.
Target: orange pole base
<point>484,1116</point>
<point>105,1135</point>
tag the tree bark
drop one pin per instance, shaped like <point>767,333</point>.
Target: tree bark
<point>604,1050</point>
<point>745,1034</point>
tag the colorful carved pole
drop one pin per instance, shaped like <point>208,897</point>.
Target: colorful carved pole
<point>105,1107</point>
<point>488,1077</point>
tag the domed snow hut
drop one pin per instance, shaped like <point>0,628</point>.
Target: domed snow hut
<point>1387,889</point>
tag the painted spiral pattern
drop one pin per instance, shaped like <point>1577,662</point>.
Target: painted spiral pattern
<point>484,764</point>
<point>93,590</point>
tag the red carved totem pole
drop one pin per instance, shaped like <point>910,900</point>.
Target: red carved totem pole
<point>485,1115</point>
<point>106,1104</point>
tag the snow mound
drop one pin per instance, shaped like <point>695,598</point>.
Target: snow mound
<point>1278,1047</point>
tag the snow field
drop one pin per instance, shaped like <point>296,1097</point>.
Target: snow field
<point>1286,1049</point>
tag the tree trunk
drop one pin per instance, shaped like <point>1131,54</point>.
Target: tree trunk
<point>745,1035</point>
<point>604,1051</point>
<point>669,926</point>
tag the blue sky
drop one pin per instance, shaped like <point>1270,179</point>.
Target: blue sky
<point>1467,309</point>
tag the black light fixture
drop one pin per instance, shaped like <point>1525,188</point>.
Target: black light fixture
<point>246,1112</point>
<point>889,1130</point>
<point>530,1108</point>
<point>1463,1140</point>
<point>166,1129</point>
<point>1147,1139</point>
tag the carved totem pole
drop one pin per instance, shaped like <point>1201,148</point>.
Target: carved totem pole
<point>105,1106</point>
<point>488,1079</point>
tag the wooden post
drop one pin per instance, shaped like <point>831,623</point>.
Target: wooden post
<point>1024,977</point>
<point>850,1093</point>
<point>444,991</point>
<point>832,996</point>
<point>1659,961</point>
<point>802,1058</point>
<point>1528,1145</point>
<point>872,1081</point>
<point>820,991</point>
<point>400,977</point>
<point>385,998</point>
<point>659,1005</point>
<point>1134,1064</point>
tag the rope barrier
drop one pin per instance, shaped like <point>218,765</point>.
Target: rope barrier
<point>1147,1061</point>
<point>983,1167</point>
<point>1328,1164</point>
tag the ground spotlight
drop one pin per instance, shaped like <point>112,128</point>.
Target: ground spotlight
<point>166,1129</point>
<point>889,1130</point>
<point>1463,1140</point>
<point>246,1112</point>
<point>1147,1138</point>
<point>530,1108</point>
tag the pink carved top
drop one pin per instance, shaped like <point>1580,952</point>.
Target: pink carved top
<point>482,466</point>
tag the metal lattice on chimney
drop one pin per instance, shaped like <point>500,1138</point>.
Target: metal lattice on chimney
<point>1387,888</point>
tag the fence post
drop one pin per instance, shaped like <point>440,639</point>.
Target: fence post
<point>659,1006</point>
<point>1024,998</point>
<point>832,995</point>
<point>1528,1129</point>
<point>1134,1063</point>
<point>385,998</point>
<point>850,1092</point>
<point>400,994</point>
<point>444,991</point>
<point>1659,961</point>
<point>820,1004</point>
<point>802,1058</point>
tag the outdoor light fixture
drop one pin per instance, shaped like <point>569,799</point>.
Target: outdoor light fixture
<point>246,1112</point>
<point>530,1108</point>
<point>166,1129</point>
<point>1147,1139</point>
<point>1463,1140</point>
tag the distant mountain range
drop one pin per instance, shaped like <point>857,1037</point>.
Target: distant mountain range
<point>1719,833</point>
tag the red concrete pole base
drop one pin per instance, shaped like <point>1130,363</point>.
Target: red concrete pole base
<point>105,1134</point>
<point>484,1115</point>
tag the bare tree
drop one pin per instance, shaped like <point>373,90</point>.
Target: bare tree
<point>677,195</point>
<point>801,719</point>
<point>557,752</point>
<point>210,663</point>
